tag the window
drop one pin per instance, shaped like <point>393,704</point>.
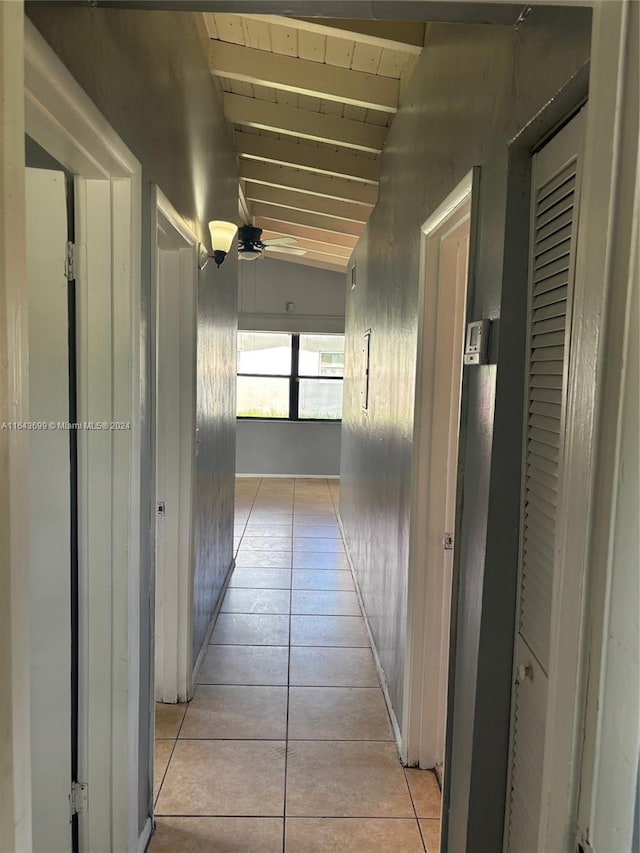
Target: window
<point>293,377</point>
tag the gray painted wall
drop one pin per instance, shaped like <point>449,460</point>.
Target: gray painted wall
<point>288,447</point>
<point>147,72</point>
<point>473,90</point>
<point>265,287</point>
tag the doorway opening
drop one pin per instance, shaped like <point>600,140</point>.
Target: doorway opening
<point>444,273</point>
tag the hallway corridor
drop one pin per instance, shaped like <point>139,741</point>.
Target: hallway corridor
<point>287,743</point>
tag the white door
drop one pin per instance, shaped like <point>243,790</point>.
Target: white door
<point>444,268</point>
<point>555,203</point>
<point>49,510</point>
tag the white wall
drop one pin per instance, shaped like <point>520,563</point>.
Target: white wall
<point>288,447</point>
<point>265,287</point>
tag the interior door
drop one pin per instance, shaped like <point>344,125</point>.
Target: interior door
<point>554,218</point>
<point>50,501</point>
<point>453,269</point>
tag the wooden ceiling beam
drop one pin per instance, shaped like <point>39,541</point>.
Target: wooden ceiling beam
<point>284,152</point>
<point>304,124</point>
<point>303,217</point>
<point>305,232</point>
<point>308,182</point>
<point>304,77</point>
<point>243,207</point>
<point>285,197</point>
<point>406,36</point>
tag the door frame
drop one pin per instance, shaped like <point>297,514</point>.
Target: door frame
<point>65,122</point>
<point>173,637</point>
<point>429,598</point>
<point>15,690</point>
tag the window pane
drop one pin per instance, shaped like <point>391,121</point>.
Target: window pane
<point>262,398</point>
<point>321,355</point>
<point>320,398</point>
<point>264,352</point>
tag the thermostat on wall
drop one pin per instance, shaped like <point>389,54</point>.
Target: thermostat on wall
<point>476,345</point>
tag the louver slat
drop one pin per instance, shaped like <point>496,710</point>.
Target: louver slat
<point>554,238</point>
<point>556,254</point>
<point>549,466</point>
<point>555,197</point>
<point>563,204</point>
<point>557,294</point>
<point>547,381</point>
<point>544,326</point>
<point>555,310</point>
<point>564,175</point>
<point>552,266</point>
<point>548,481</point>
<point>547,409</point>
<point>545,367</point>
<point>555,225</point>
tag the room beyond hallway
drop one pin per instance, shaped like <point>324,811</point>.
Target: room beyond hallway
<point>287,743</point>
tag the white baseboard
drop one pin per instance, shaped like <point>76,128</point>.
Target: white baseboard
<point>288,476</point>
<point>145,836</point>
<point>381,676</point>
<point>212,623</point>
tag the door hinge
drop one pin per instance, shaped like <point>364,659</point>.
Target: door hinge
<point>70,262</point>
<point>447,541</point>
<point>583,844</point>
<point>79,798</point>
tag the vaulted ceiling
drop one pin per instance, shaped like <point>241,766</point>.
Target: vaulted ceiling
<point>310,102</point>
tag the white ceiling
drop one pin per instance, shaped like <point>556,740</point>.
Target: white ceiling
<point>310,103</point>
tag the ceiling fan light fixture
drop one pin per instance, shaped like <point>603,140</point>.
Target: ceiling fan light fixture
<point>249,254</point>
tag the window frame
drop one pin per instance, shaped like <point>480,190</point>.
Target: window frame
<point>294,378</point>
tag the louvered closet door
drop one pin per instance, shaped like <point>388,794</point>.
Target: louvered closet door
<point>555,202</point>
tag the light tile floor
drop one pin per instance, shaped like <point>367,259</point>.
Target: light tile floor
<point>287,745</point>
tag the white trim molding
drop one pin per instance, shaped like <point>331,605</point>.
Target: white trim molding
<point>15,744</point>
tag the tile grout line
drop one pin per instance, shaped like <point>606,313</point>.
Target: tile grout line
<point>166,769</point>
<point>236,551</point>
<point>293,646</point>
<point>413,805</point>
<point>286,742</point>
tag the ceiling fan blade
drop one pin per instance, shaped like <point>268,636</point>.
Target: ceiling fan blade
<point>287,250</point>
<point>279,241</point>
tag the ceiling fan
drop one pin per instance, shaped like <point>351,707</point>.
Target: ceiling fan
<point>251,246</point>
